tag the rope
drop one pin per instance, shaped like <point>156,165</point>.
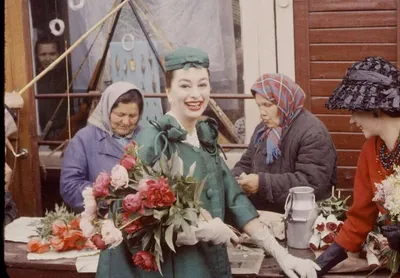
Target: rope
<point>68,97</point>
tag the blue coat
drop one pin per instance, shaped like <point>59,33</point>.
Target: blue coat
<point>91,151</point>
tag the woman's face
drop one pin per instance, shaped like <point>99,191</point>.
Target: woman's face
<point>366,121</point>
<point>268,111</point>
<point>124,118</point>
<point>189,93</point>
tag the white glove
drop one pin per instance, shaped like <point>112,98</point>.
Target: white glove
<point>289,264</point>
<point>213,230</point>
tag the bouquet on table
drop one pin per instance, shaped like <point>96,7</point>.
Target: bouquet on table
<point>388,196</point>
<point>148,206</point>
<point>329,222</point>
<point>59,231</point>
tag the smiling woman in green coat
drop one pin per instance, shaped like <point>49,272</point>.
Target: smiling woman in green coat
<point>202,254</point>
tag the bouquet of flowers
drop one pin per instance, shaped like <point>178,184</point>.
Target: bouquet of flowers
<point>388,196</point>
<point>59,231</point>
<point>329,221</point>
<point>148,206</point>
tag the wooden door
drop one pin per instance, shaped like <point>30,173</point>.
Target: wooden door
<point>330,35</point>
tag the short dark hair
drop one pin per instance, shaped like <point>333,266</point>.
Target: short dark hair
<point>131,96</point>
<point>46,40</point>
<point>170,74</point>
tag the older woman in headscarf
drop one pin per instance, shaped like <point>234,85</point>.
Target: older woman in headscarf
<point>100,145</point>
<point>290,147</point>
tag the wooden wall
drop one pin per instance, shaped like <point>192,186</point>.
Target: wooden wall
<point>330,35</point>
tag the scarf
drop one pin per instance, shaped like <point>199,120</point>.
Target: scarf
<point>289,98</point>
<point>101,114</point>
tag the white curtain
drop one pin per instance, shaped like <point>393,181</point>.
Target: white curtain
<point>206,24</point>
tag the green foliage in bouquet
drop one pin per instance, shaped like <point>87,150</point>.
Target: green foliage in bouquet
<point>150,204</point>
<point>334,205</point>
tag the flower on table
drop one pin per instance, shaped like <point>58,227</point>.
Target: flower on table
<point>145,261</point>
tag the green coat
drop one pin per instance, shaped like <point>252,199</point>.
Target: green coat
<point>221,196</point>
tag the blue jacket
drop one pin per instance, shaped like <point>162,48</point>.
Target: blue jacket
<point>91,151</point>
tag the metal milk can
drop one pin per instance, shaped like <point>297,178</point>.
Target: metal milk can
<point>300,214</point>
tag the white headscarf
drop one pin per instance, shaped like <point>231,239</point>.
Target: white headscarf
<point>101,114</point>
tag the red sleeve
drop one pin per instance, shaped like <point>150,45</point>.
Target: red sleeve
<point>362,215</point>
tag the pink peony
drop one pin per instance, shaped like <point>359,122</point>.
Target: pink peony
<point>145,261</point>
<point>100,186</point>
<point>128,162</point>
<point>133,203</point>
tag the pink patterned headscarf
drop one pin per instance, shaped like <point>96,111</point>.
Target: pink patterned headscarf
<point>289,98</point>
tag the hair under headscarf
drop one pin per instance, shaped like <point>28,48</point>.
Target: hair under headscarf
<point>289,97</point>
<point>101,114</point>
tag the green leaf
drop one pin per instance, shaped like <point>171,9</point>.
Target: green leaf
<point>175,164</point>
<point>190,214</point>
<point>158,258</point>
<point>169,233</point>
<point>191,170</point>
<point>157,237</point>
<point>164,164</point>
<point>158,214</point>
<point>199,189</point>
<point>186,228</point>
<point>146,240</point>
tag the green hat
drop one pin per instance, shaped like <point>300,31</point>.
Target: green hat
<point>186,57</point>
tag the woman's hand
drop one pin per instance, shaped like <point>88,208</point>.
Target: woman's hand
<point>249,183</point>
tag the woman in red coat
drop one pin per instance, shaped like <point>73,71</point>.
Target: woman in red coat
<point>371,91</point>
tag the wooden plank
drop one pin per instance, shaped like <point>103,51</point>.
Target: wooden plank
<point>301,49</point>
<point>347,140</point>
<point>340,5</point>
<point>318,107</point>
<point>353,19</point>
<point>346,177</point>
<point>338,123</point>
<point>329,70</point>
<point>354,35</point>
<point>351,52</point>
<point>27,192</point>
<point>347,157</point>
<point>323,87</point>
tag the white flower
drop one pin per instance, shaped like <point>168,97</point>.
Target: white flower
<point>110,234</point>
<point>89,202</point>
<point>86,226</point>
<point>119,176</point>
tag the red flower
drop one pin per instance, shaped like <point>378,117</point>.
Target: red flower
<point>329,238</point>
<point>145,261</point>
<point>331,226</point>
<point>98,242</point>
<point>312,246</point>
<point>35,245</point>
<point>132,227</point>
<point>59,228</point>
<point>133,203</point>
<point>100,186</point>
<point>128,162</point>
<point>74,224</point>
<point>320,227</point>
<point>157,193</point>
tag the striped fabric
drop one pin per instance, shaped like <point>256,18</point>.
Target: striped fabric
<point>289,98</point>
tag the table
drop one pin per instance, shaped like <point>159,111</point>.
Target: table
<point>17,265</point>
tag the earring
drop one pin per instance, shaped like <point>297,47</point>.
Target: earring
<point>171,102</point>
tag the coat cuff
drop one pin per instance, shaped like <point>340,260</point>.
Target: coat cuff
<point>264,187</point>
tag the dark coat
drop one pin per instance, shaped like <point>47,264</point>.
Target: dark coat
<point>308,159</point>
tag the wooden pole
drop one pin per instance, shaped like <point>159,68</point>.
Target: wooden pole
<point>69,50</point>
